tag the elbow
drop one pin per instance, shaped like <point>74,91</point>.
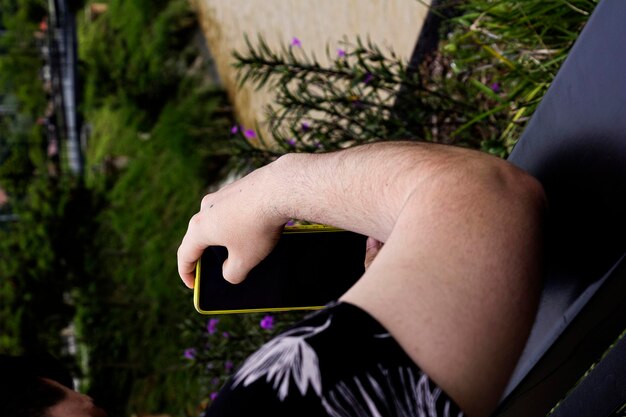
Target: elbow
<point>475,180</point>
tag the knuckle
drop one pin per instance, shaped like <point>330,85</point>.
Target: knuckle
<point>205,201</point>
<point>196,220</point>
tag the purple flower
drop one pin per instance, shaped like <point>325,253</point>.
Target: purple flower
<point>225,335</point>
<point>495,87</point>
<point>291,141</point>
<point>228,365</point>
<point>296,42</point>
<point>290,223</point>
<point>249,133</point>
<point>211,326</point>
<point>215,381</point>
<point>341,53</point>
<point>368,77</point>
<point>234,129</point>
<point>305,126</point>
<point>190,353</point>
<point>357,104</point>
<point>267,323</point>
<point>213,396</point>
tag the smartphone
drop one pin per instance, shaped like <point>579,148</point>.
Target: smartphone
<point>310,266</point>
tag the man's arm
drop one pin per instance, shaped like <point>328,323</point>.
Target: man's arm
<point>456,282</point>
<point>361,189</point>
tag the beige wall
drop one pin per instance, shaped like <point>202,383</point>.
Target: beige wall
<point>317,23</point>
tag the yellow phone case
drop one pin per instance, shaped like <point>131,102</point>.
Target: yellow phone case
<point>298,228</point>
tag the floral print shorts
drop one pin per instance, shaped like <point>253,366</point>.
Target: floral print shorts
<point>339,362</point>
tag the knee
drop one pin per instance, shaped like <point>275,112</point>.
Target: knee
<point>487,191</point>
<point>498,181</point>
<point>524,189</point>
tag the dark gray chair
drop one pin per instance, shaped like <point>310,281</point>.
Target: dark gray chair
<point>575,144</point>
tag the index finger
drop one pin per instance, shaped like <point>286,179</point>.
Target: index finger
<point>188,256</point>
<point>189,252</point>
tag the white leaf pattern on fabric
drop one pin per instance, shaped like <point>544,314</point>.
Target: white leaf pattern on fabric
<point>408,395</point>
<point>286,356</point>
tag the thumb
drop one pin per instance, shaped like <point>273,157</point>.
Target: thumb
<point>372,247</point>
<point>235,269</point>
<point>242,258</point>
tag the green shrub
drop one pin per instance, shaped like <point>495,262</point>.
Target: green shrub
<point>132,269</point>
<point>507,52</point>
<point>137,51</point>
<point>40,259</point>
<point>493,65</point>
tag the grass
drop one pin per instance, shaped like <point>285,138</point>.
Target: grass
<point>130,313</point>
<point>156,142</point>
<point>517,46</point>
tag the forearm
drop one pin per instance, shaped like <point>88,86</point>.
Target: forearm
<point>362,189</point>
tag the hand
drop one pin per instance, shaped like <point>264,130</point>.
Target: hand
<point>239,216</point>
<point>372,247</point>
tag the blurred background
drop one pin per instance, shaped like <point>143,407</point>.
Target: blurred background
<point>117,116</point>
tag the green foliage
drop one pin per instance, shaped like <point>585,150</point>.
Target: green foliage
<point>137,51</point>
<point>158,137</point>
<point>23,156</point>
<point>30,11</point>
<point>517,46</point>
<point>325,107</point>
<point>103,251</point>
<point>21,61</point>
<point>478,89</point>
<point>35,262</point>
<point>135,365</point>
<point>16,171</point>
<point>21,140</point>
<point>40,258</point>
<point>221,343</point>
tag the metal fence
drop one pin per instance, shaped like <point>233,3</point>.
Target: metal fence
<point>62,51</point>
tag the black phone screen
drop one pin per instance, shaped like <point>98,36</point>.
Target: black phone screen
<point>305,270</point>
